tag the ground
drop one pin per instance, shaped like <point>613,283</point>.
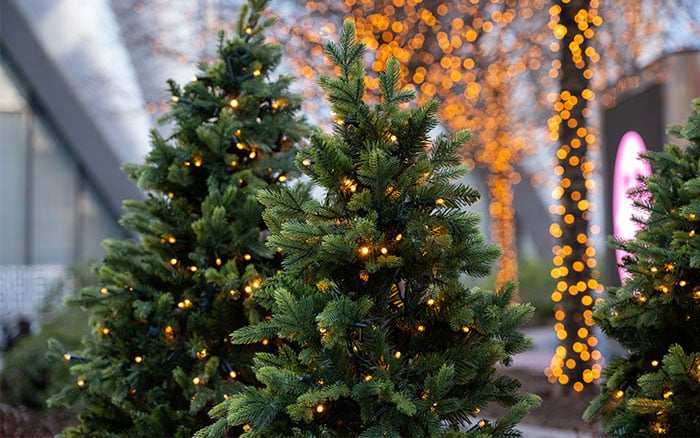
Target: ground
<point>559,410</point>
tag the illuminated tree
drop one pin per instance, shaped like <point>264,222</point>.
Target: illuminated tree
<point>380,336</point>
<point>574,363</point>
<point>159,355</point>
<point>655,389</point>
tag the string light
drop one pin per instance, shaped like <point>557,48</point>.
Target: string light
<point>184,304</point>
<point>138,359</point>
<point>232,374</point>
<point>80,383</point>
<point>574,259</point>
<point>66,356</point>
<point>364,250</point>
<point>105,331</point>
<point>173,261</point>
<point>233,103</point>
<point>320,408</point>
<point>196,380</point>
<point>104,291</point>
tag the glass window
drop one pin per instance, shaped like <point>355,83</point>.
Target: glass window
<point>13,141</point>
<point>51,214</point>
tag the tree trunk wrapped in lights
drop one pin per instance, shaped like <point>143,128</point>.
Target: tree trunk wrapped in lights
<point>655,389</point>
<point>160,356</point>
<point>380,337</point>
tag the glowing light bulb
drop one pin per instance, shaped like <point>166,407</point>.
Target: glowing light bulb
<point>619,394</point>
<point>368,378</point>
<point>246,257</point>
<point>421,328</point>
<point>439,201</point>
<point>173,261</point>
<point>282,178</point>
<point>193,268</point>
<point>104,291</point>
<point>320,408</point>
<point>196,380</point>
<point>172,239</point>
<point>256,73</point>
<point>175,98</point>
<point>246,427</point>
<point>248,30</point>
<point>364,250</point>
<point>138,359</point>
<point>306,162</point>
<point>218,262</point>
<point>393,138</point>
<point>265,341</point>
<point>682,283</point>
<point>252,154</point>
<point>232,374</point>
<point>105,331</point>
<point>430,302</point>
<point>655,363</point>
<point>399,237</point>
<point>465,329</point>
<point>384,251</point>
<point>80,383</point>
<point>197,162</point>
<point>668,394</point>
<point>397,355</point>
<point>66,356</point>
<point>233,103</point>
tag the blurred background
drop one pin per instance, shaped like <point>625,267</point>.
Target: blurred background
<point>549,88</point>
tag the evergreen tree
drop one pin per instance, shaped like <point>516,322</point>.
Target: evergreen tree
<point>380,337</point>
<point>655,389</point>
<point>159,356</point>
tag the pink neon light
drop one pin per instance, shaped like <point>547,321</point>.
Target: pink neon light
<point>628,168</point>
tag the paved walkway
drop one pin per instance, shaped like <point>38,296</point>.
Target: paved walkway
<point>537,359</point>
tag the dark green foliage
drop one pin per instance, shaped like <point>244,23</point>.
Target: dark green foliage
<point>655,390</point>
<point>159,355</point>
<point>380,336</point>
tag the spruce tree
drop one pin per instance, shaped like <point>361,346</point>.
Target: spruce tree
<point>159,356</point>
<point>655,389</point>
<point>379,335</point>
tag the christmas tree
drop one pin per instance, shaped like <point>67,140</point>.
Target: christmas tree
<point>379,335</point>
<point>655,389</point>
<point>160,356</point>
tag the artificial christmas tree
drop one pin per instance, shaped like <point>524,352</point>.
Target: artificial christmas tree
<point>160,357</point>
<point>655,389</point>
<point>380,337</point>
